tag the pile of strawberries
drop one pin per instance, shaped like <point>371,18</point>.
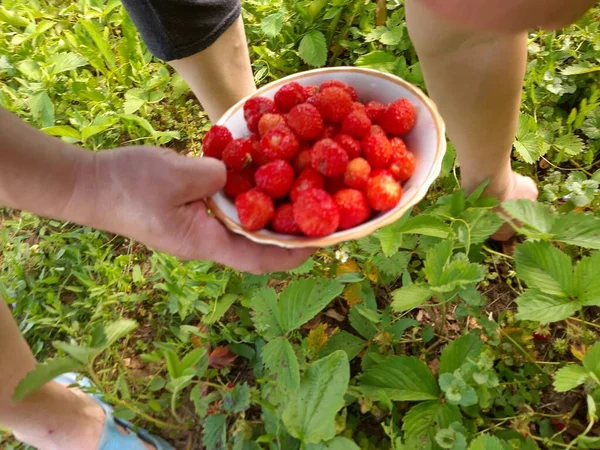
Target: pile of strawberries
<point>317,160</point>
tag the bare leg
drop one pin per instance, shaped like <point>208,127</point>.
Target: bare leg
<point>52,418</point>
<point>221,75</point>
<point>475,78</point>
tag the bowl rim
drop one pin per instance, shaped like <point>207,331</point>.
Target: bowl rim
<point>367,228</point>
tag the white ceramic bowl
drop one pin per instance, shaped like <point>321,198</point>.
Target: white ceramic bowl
<point>427,141</point>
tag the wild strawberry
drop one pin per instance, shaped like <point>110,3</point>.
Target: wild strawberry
<point>334,184</point>
<point>558,424</point>
<point>399,117</point>
<point>398,148</point>
<point>316,213</point>
<point>310,90</point>
<point>356,124</point>
<point>348,143</point>
<point>359,107</point>
<point>330,131</point>
<point>275,179</point>
<point>284,222</point>
<point>329,158</point>
<point>269,121</point>
<point>279,143</point>
<point>383,191</point>
<point>215,141</point>
<point>238,154</point>
<point>340,84</point>
<point>255,209</point>
<point>305,120</point>
<point>238,182</point>
<point>375,110</point>
<point>334,104</point>
<point>403,166</point>
<point>301,160</point>
<point>289,95</point>
<point>230,386</point>
<point>308,179</point>
<point>377,150</point>
<point>542,333</point>
<point>255,108</point>
<point>376,129</point>
<point>353,207</point>
<point>258,158</point>
<point>357,174</point>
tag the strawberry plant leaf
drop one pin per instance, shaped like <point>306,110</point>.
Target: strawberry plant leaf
<point>436,260</point>
<point>310,414</point>
<point>482,224</point>
<point>425,225</point>
<point>218,308</point>
<point>65,61</point>
<point>591,360</point>
<point>535,305</point>
<point>459,273</point>
<point>422,421</point>
<point>266,313</point>
<point>361,324</point>
<point>394,265</point>
<point>533,215</point>
<point>486,442</point>
<point>214,432</point>
<point>63,131</point>
<point>345,341</point>
<point>401,378</point>
<point>338,443</point>
<point>42,108</point>
<point>458,351</point>
<point>378,60</point>
<point>304,299</point>
<point>272,24</point>
<point>543,266</point>
<point>409,297</point>
<point>529,147</point>
<point>580,229</point>
<point>313,49</point>
<point>237,399</point>
<point>570,377</point>
<point>44,373</point>
<point>569,144</point>
<point>587,281</point>
<point>279,358</point>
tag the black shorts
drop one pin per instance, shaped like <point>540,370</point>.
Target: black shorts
<point>174,29</point>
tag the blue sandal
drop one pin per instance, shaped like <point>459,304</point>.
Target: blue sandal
<point>112,438</point>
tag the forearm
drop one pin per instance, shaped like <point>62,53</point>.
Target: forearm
<point>42,174</point>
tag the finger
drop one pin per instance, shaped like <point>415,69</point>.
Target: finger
<point>214,242</point>
<point>199,177</point>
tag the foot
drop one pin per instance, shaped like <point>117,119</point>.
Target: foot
<point>520,187</point>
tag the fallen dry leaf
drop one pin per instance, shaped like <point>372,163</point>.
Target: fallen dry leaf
<point>221,357</point>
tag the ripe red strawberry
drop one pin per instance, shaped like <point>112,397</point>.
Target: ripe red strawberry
<point>284,222</point>
<point>329,158</point>
<point>257,156</point>
<point>215,141</point>
<point>377,150</point>
<point>340,84</point>
<point>376,129</point>
<point>383,191</point>
<point>308,179</point>
<point>399,117</point>
<point>334,184</point>
<point>255,209</point>
<point>269,121</point>
<point>353,207</point>
<point>279,143</point>
<point>306,121</point>
<point>359,107</point>
<point>238,154</point>
<point>398,147</point>
<point>301,160</point>
<point>275,179</point>
<point>403,166</point>
<point>255,108</point>
<point>356,124</point>
<point>351,145</point>
<point>334,103</point>
<point>310,90</point>
<point>329,132</point>
<point>357,174</point>
<point>289,95</point>
<point>316,213</point>
<point>238,182</point>
<point>375,110</point>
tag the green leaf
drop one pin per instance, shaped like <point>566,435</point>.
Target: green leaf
<point>345,341</point>
<point>389,238</point>
<point>279,358</point>
<point>102,43</point>
<point>361,324</point>
<point>591,360</point>
<point>310,414</point>
<point>42,108</point>
<point>214,432</point>
<point>304,299</point>
<point>219,308</point>
<point>65,61</point>
<point>459,273</point>
<point>436,260</point>
<point>570,377</point>
<point>409,297</point>
<point>539,307</point>
<point>587,442</point>
<point>44,373</point>
<point>313,49</point>
<point>578,229</point>
<point>401,378</point>
<point>529,147</point>
<point>543,266</point>
<point>378,60</point>
<point>272,24</point>
<point>237,399</point>
<point>422,421</point>
<point>114,331</point>
<point>393,36</point>
<point>482,224</point>
<point>534,215</point>
<point>425,225</point>
<point>458,351</point>
<point>570,144</point>
<point>62,131</point>
<point>486,442</point>
<point>266,313</point>
<point>587,281</point>
<point>394,265</point>
<point>82,354</point>
<point>338,443</point>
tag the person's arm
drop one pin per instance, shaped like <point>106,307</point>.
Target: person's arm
<point>149,194</point>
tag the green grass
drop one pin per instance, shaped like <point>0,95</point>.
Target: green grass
<point>397,307</point>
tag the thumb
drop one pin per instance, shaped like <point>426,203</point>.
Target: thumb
<point>200,177</point>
